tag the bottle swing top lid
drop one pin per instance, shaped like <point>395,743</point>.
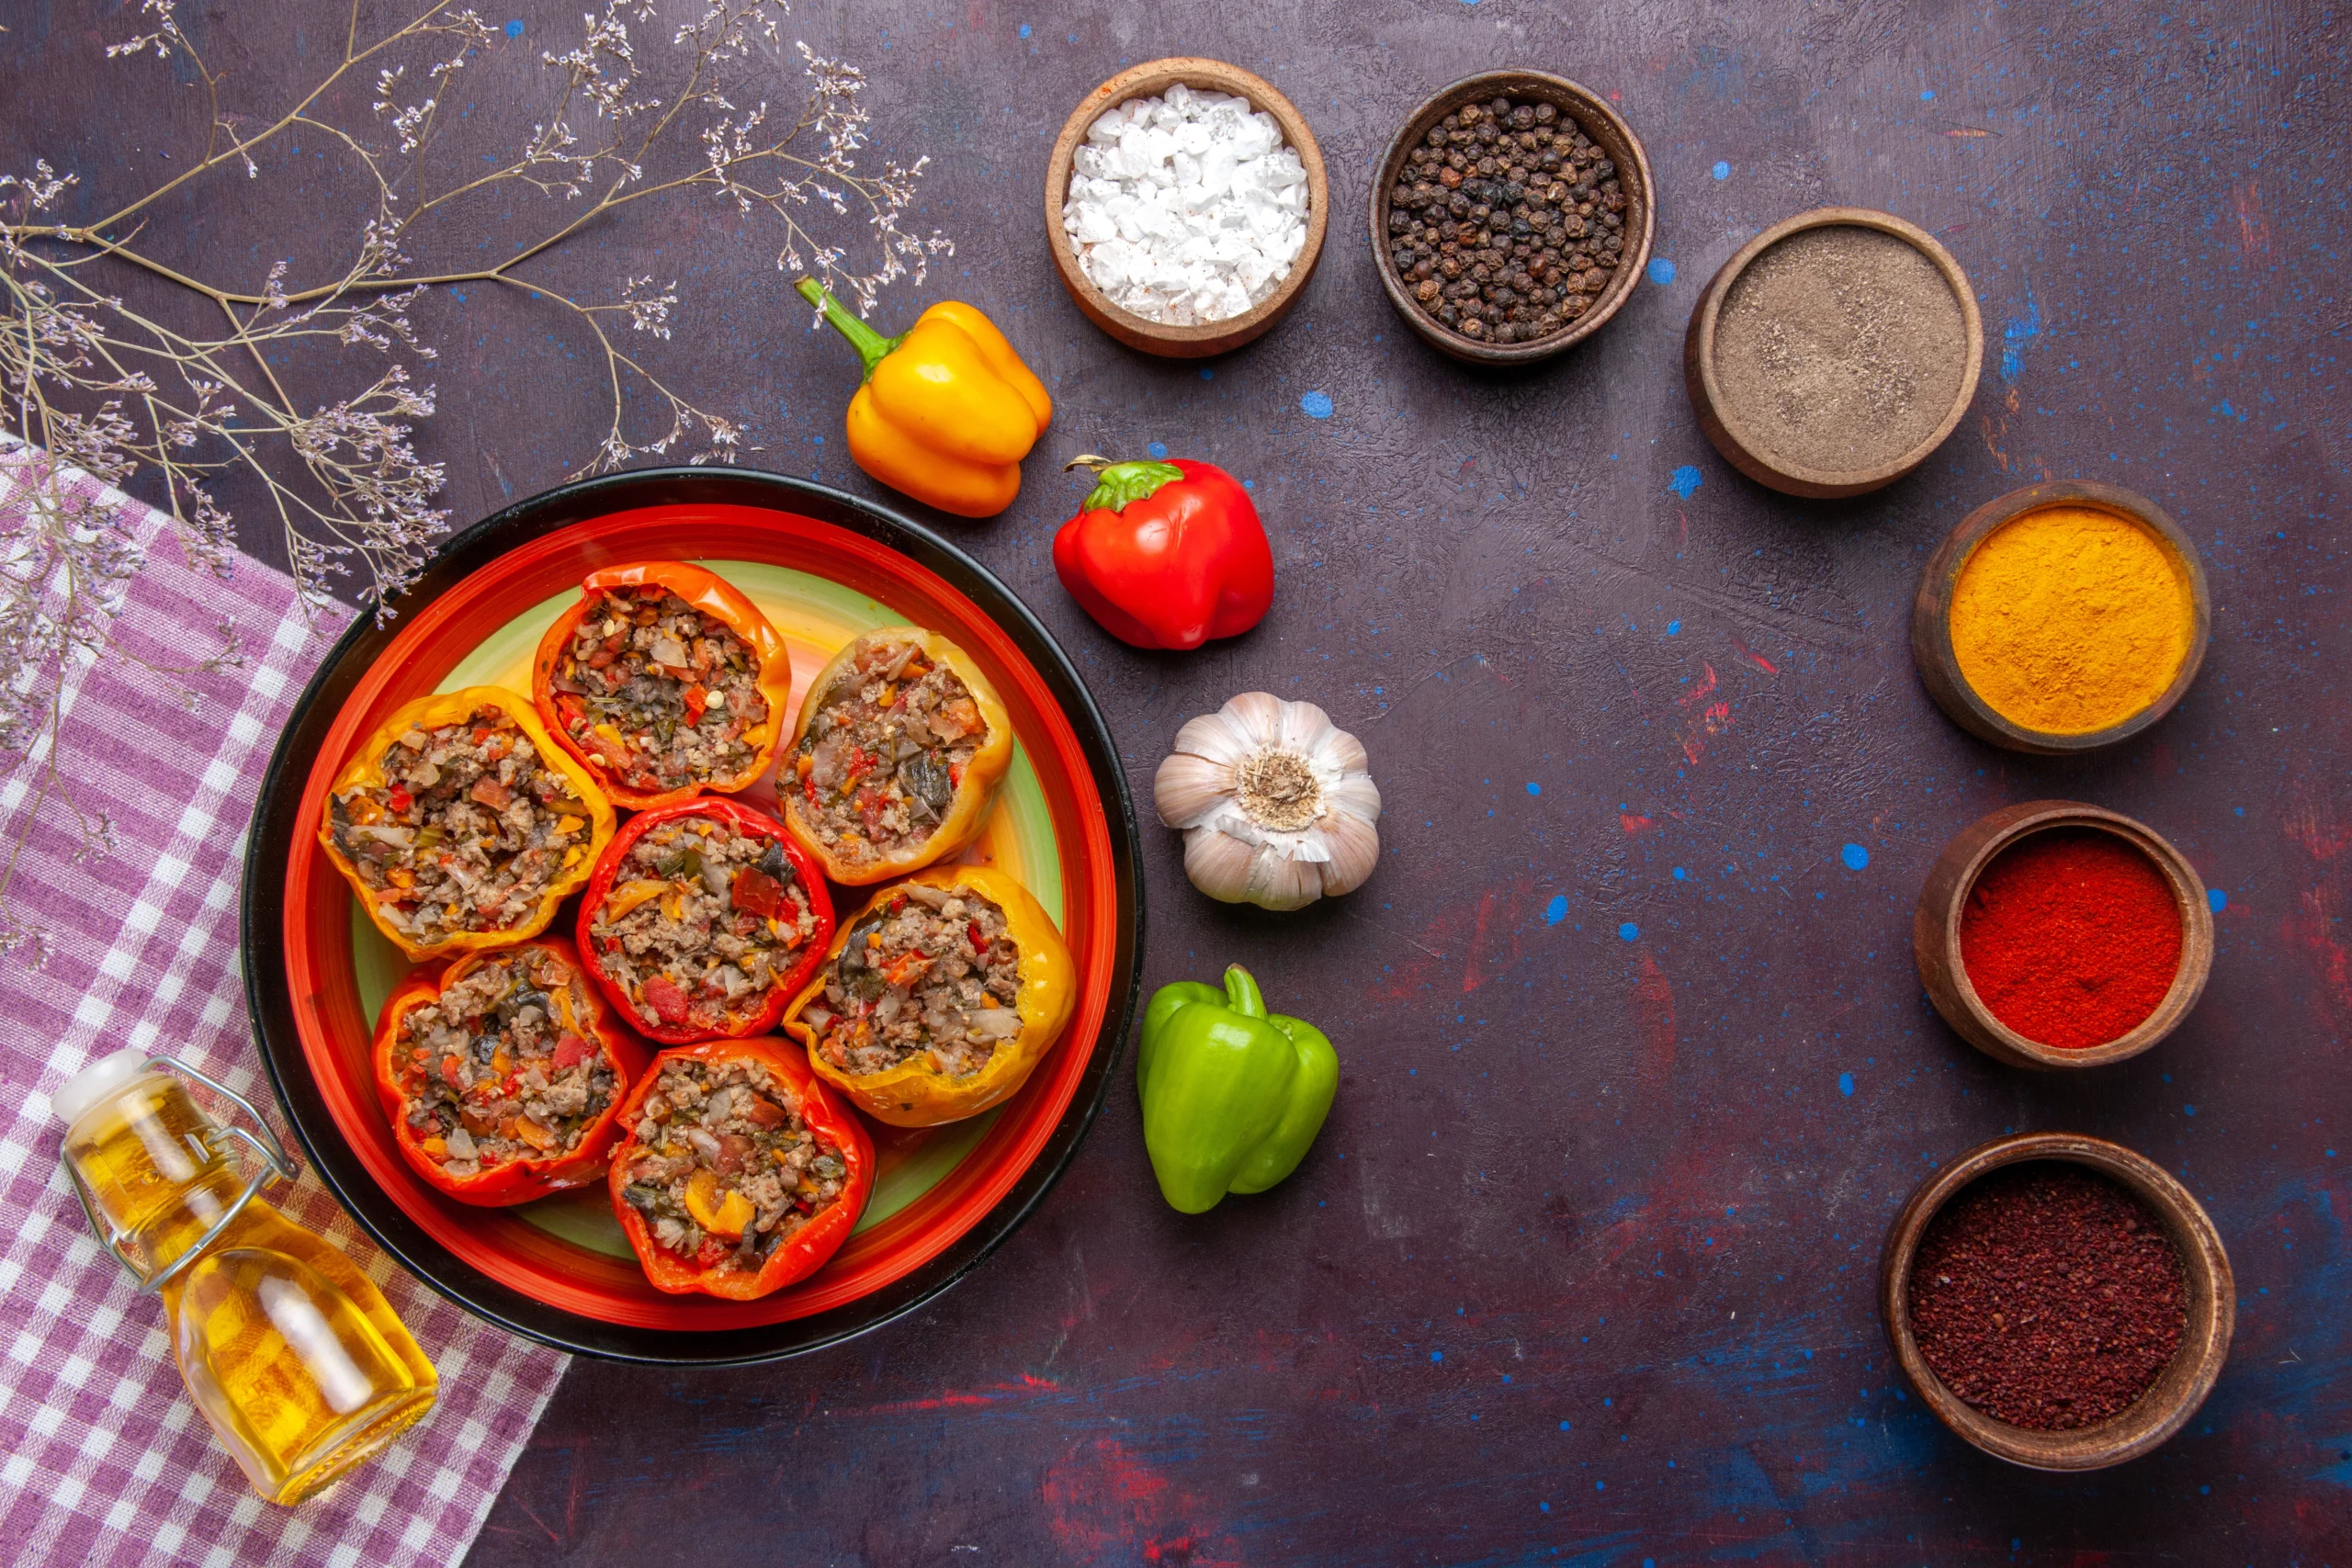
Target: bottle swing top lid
<point>97,1082</point>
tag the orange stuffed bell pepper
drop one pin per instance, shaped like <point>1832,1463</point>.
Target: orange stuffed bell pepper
<point>740,1171</point>
<point>665,681</point>
<point>947,409</point>
<point>897,760</point>
<point>503,1074</point>
<point>460,824</point>
<point>938,999</point>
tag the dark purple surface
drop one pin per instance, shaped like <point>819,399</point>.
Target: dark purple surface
<point>1636,1063</point>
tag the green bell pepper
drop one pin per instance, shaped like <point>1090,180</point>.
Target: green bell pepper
<point>1232,1094</point>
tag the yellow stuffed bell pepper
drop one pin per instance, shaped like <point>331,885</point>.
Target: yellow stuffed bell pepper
<point>947,409</point>
<point>451,839</point>
<point>901,747</point>
<point>939,998</point>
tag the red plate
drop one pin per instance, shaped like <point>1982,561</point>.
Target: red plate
<point>304,977</point>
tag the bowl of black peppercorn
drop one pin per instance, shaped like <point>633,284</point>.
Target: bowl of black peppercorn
<point>1512,217</point>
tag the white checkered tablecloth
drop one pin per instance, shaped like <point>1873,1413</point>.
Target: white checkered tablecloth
<point>107,1461</point>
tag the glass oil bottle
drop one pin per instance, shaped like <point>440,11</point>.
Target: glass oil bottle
<point>287,1349</point>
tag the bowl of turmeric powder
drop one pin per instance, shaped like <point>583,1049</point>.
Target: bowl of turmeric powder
<point>2061,618</point>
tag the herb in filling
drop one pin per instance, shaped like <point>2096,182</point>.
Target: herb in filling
<point>467,832</point>
<point>657,694</point>
<point>701,923</point>
<point>885,754</point>
<point>724,1170</point>
<point>931,973</point>
<point>495,1071</point>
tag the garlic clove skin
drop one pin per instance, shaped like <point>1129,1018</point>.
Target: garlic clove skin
<point>1275,802</point>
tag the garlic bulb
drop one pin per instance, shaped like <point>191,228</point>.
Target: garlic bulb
<point>1274,801</point>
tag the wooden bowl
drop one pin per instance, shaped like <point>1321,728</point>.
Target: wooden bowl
<point>1607,127</point>
<point>1150,80</point>
<point>1931,646</point>
<point>1713,407</point>
<point>1935,932</point>
<point>2176,1392</point>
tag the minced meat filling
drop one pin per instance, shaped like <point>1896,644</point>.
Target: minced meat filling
<point>494,1070</point>
<point>931,973</point>
<point>467,832</point>
<point>881,762</point>
<point>657,694</point>
<point>724,1170</point>
<point>701,923</point>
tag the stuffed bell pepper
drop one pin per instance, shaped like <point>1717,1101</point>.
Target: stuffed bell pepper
<point>665,682</point>
<point>704,918</point>
<point>939,998</point>
<point>461,825</point>
<point>740,1172</point>
<point>503,1076</point>
<point>899,752</point>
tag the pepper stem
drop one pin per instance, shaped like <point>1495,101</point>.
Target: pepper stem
<point>1116,484</point>
<point>870,344</point>
<point>1242,993</point>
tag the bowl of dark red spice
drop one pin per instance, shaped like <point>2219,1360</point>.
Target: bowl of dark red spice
<point>1832,351</point>
<point>1512,217</point>
<point>2057,1300</point>
<point>2057,934</point>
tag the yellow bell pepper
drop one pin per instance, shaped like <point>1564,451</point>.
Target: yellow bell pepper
<point>851,862</point>
<point>362,784</point>
<point>915,1093</point>
<point>947,409</point>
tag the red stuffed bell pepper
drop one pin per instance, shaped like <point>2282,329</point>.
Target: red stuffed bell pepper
<point>1166,555</point>
<point>503,1074</point>
<point>704,920</point>
<point>741,1172</point>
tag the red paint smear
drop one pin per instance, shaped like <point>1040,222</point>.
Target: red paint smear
<point>1755,658</point>
<point>1654,1014</point>
<point>1634,825</point>
<point>1499,911</point>
<point>2254,231</point>
<point>2313,928</point>
<point>953,1400</point>
<point>1103,1502</point>
<point>1701,689</point>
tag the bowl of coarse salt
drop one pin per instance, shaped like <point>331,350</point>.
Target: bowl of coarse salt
<point>1185,202</point>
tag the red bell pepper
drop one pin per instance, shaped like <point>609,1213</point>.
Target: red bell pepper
<point>819,1235</point>
<point>582,1029</point>
<point>682,1018</point>
<point>1166,555</point>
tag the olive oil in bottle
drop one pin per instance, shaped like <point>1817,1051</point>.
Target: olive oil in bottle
<point>287,1349</point>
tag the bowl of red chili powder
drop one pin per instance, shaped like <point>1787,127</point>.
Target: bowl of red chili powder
<point>2057,1300</point>
<point>2057,934</point>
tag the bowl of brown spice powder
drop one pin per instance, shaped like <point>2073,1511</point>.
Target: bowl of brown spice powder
<point>1834,351</point>
<point>2057,1300</point>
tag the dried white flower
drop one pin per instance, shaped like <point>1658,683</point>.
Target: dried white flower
<point>1275,804</point>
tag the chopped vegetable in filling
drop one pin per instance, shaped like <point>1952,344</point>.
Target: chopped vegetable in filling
<point>466,833</point>
<point>931,973</point>
<point>495,1071</point>
<point>882,759</point>
<point>657,694</point>
<point>725,1170</point>
<point>701,923</point>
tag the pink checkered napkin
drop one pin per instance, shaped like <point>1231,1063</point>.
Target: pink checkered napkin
<point>103,1460</point>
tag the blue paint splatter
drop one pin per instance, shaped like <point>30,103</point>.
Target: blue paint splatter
<point>1534,788</point>
<point>1208,375</point>
<point>2020,331</point>
<point>1846,1085</point>
<point>1437,1355</point>
<point>2216,899</point>
<point>1157,448</point>
<point>1661,270</point>
<point>1024,29</point>
<point>515,30</point>
<point>1855,856</point>
<point>1315,405</point>
<point>1928,95</point>
<point>1685,480</point>
<point>1628,931</point>
<point>1722,171</point>
<point>1680,874</point>
<point>1674,629</point>
<point>1556,911</point>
